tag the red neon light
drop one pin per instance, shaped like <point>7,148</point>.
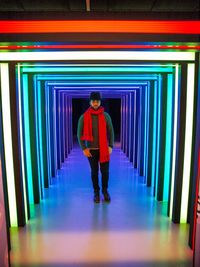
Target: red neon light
<point>100,26</point>
<point>99,46</point>
<point>196,199</point>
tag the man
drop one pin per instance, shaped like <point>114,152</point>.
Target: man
<point>96,137</point>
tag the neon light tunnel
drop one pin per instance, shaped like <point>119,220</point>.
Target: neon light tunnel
<point>157,91</point>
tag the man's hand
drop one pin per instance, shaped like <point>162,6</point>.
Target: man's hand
<point>87,153</point>
<point>110,149</point>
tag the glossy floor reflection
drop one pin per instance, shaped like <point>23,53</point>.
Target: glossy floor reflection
<point>68,229</point>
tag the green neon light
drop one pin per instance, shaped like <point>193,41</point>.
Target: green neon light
<point>175,121</point>
<point>5,96</point>
<point>40,131</point>
<point>154,133</point>
<point>22,148</point>
<point>167,167</point>
<point>27,140</point>
<point>41,186</point>
<point>188,142</point>
<point>58,69</point>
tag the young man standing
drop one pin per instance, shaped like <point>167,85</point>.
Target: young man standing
<point>96,137</point>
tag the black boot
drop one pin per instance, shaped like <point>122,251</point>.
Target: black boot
<point>96,197</point>
<point>106,195</point>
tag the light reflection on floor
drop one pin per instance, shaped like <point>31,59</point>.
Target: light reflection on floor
<point>68,229</point>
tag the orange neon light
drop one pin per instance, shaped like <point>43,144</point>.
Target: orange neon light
<point>100,26</point>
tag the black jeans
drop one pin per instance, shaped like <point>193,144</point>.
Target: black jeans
<point>104,167</point>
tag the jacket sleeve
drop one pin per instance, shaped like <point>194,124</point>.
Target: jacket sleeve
<point>110,130</point>
<point>79,133</point>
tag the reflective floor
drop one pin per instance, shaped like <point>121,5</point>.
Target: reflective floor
<point>68,229</point>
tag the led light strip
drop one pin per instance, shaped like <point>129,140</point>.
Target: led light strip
<point>130,122</point>
<point>98,55</point>
<point>177,83</point>
<point>146,118</point>
<point>38,138</point>
<point>134,131</point>
<point>21,141</point>
<point>48,134</point>
<point>54,128</point>
<point>159,92</point>
<point>155,46</point>
<point>100,77</point>
<point>147,138</point>
<point>27,139</point>
<point>197,193</point>
<point>169,119</point>
<point>44,65</point>
<point>100,26</point>
<point>5,94</point>
<point>188,142</point>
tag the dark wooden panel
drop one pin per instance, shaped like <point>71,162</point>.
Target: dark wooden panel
<point>130,5</point>
<point>45,5</point>
<point>176,5</point>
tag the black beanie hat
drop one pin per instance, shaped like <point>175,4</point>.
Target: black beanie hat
<point>95,96</point>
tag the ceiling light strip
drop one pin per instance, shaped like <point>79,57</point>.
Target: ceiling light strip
<point>98,55</point>
<point>100,26</point>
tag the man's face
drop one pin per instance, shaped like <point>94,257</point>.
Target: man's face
<point>95,103</point>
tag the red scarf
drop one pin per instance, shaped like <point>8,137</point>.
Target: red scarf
<point>87,131</point>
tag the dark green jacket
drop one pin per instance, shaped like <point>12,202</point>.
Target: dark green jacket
<point>95,143</point>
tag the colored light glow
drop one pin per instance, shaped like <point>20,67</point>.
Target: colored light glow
<point>92,83</point>
<point>175,121</point>
<point>44,65</point>
<point>147,131</point>
<point>158,135</point>
<point>22,148</point>
<point>146,118</point>
<point>49,165</point>
<point>107,92</point>
<point>154,133</point>
<point>163,69</point>
<point>197,187</point>
<point>169,118</point>
<point>95,69</point>
<point>39,136</point>
<point>63,125</point>
<point>100,77</point>
<point>188,142</point>
<point>5,95</point>
<point>54,128</point>
<point>170,69</point>
<point>98,55</point>
<point>134,130</point>
<point>100,26</point>
<point>130,123</point>
<point>27,138</point>
<point>100,46</point>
